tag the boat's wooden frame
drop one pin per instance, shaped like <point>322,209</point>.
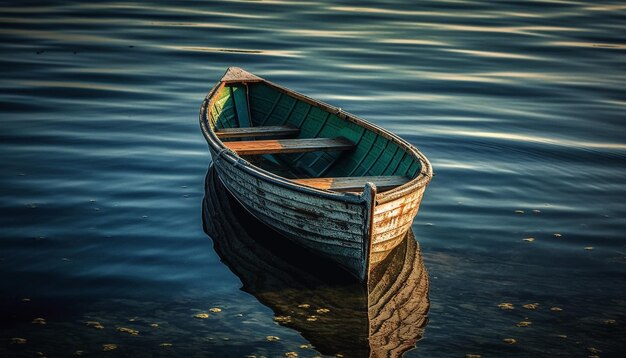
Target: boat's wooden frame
<point>353,229</point>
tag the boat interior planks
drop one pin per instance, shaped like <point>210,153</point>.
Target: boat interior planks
<point>353,183</point>
<point>265,131</point>
<point>328,180</point>
<point>273,146</point>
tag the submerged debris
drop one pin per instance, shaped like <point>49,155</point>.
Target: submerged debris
<point>469,355</point>
<point>18,340</point>
<point>154,325</point>
<point>519,211</point>
<point>39,321</point>
<point>94,324</point>
<point>557,235</point>
<point>130,331</point>
<point>79,353</point>
<point>109,347</point>
<point>594,350</point>
<point>282,319</point>
<point>609,322</point>
<point>165,344</point>
<point>588,248</point>
<point>531,306</point>
<point>506,306</point>
<point>529,239</point>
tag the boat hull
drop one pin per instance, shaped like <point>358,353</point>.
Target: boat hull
<point>336,229</point>
<point>355,230</point>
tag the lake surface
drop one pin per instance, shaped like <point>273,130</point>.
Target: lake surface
<point>519,105</point>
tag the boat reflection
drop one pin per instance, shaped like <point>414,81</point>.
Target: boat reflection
<point>326,305</point>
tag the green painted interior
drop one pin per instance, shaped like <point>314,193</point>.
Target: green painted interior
<point>373,155</point>
<point>241,105</point>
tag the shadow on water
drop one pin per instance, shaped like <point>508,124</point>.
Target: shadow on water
<point>334,312</point>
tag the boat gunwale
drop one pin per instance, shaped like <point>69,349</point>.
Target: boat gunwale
<point>421,180</point>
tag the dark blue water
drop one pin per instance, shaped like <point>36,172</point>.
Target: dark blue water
<point>519,105</point>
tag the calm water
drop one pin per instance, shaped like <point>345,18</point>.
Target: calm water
<point>519,105</point>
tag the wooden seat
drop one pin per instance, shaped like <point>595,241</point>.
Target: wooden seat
<point>353,183</point>
<point>266,131</point>
<point>274,146</point>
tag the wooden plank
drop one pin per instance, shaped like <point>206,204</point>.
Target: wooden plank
<point>353,183</point>
<point>241,106</point>
<point>265,131</point>
<point>273,146</point>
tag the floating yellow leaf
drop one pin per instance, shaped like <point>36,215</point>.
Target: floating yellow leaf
<point>556,309</point>
<point>291,355</point>
<point>472,355</point>
<point>272,338</point>
<point>306,346</point>
<point>40,321</point>
<point>322,310</point>
<point>304,305</point>
<point>109,347</point>
<point>558,235</point>
<point>506,306</point>
<point>524,324</point>
<point>94,324</point>
<point>128,330</point>
<point>588,248</point>
<point>18,340</point>
<point>563,336</point>
<point>610,321</point>
<point>282,319</point>
<point>215,310</point>
<point>509,340</point>
<point>531,306</point>
<point>202,315</point>
<point>312,318</point>
<point>154,325</point>
<point>165,344</point>
<point>529,239</point>
<point>519,211</point>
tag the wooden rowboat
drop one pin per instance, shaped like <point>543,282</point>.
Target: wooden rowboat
<point>334,183</point>
<point>336,314</point>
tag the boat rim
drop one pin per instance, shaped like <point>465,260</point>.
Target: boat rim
<point>421,180</point>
